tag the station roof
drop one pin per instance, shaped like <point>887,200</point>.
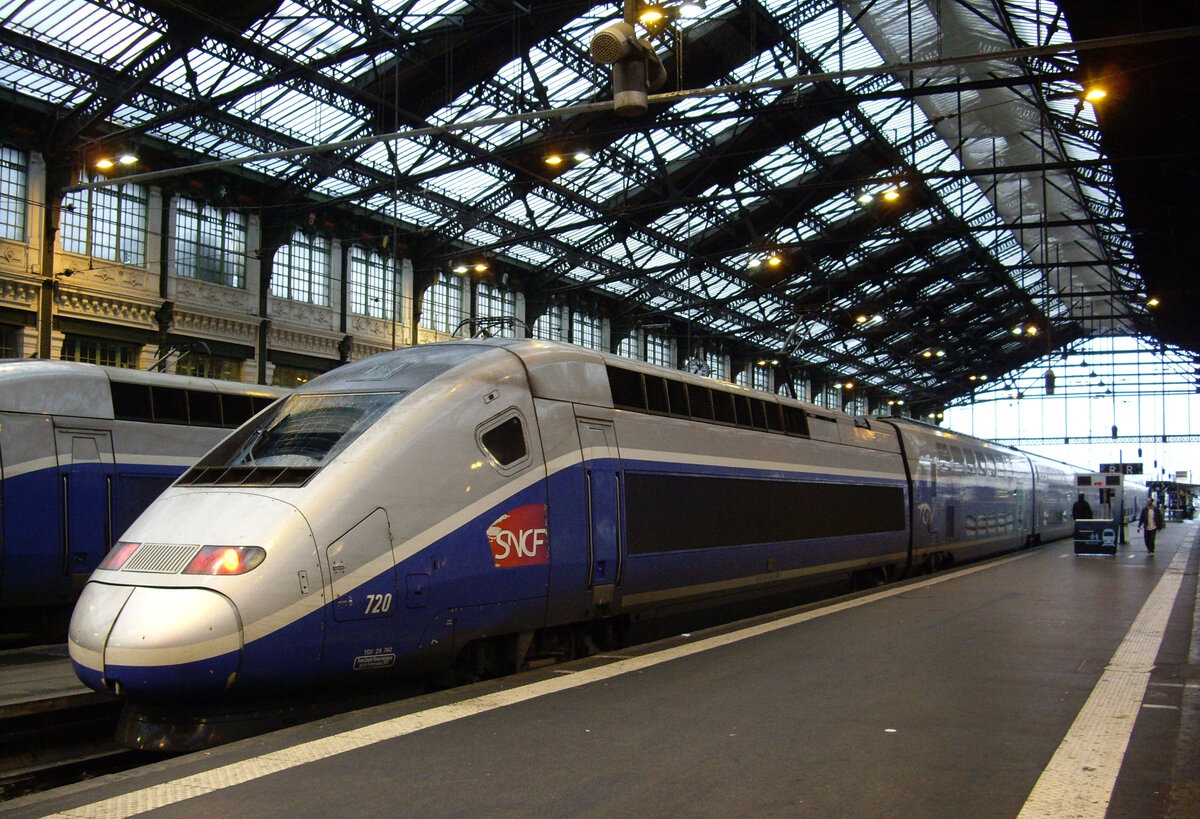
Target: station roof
<point>904,228</point>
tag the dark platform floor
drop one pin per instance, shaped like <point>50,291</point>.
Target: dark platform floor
<point>1022,686</point>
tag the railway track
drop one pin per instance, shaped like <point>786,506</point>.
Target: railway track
<point>53,742</point>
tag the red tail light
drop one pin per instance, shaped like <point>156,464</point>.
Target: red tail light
<point>225,560</point>
<point>117,556</point>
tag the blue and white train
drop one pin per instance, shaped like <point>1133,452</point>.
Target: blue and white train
<point>83,451</point>
<point>484,503</point>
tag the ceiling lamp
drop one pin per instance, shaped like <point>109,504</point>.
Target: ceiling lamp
<point>121,156</point>
<point>865,198</point>
<point>1095,94</point>
<point>1153,301</point>
<point>553,159</point>
<point>691,8</point>
<point>774,260</point>
<point>891,194</point>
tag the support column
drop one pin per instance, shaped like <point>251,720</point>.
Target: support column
<point>58,176</point>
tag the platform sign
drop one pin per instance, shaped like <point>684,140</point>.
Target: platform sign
<point>1121,469</point>
<point>1096,537</point>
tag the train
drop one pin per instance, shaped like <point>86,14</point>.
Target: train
<point>84,449</point>
<point>478,505</point>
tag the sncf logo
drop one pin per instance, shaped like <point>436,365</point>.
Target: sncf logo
<point>519,537</point>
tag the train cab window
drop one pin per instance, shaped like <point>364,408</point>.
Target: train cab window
<point>307,430</point>
<point>503,440</point>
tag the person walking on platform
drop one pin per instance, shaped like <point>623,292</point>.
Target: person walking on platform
<point>1082,510</point>
<point>1150,522</point>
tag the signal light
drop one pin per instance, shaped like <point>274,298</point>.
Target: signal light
<point>226,560</point>
<point>121,552</point>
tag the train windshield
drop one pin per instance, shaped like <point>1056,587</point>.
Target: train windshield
<point>303,430</point>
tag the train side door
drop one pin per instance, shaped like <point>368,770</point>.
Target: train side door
<point>85,476</point>
<point>602,478</point>
<point>363,572</point>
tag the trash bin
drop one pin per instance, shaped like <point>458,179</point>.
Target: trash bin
<point>1096,536</point>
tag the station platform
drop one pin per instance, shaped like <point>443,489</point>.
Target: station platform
<point>1040,684</point>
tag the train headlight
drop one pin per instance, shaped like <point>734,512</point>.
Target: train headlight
<point>226,560</point>
<point>117,556</point>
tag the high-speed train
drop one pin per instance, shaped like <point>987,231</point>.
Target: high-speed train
<point>84,449</point>
<point>484,503</point>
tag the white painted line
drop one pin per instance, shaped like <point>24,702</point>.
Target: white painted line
<point>1079,780</point>
<point>237,773</point>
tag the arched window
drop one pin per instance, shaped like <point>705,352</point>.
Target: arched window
<point>372,284</point>
<point>210,243</point>
<point>300,270</point>
<point>106,223</point>
<point>442,306</point>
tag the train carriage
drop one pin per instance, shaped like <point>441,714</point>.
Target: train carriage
<point>480,503</point>
<point>83,450</point>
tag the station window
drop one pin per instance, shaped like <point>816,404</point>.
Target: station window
<point>219,367</point>
<point>106,223</point>
<point>10,338</point>
<point>285,376</point>
<point>14,193</point>
<point>372,281</point>
<point>210,244</point>
<point>549,326</point>
<point>300,269</point>
<point>495,303</point>
<point>101,351</point>
<point>658,350</point>
<point>586,330</point>
<point>442,309</point>
<point>628,348</point>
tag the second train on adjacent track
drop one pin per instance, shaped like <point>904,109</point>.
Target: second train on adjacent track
<point>480,503</point>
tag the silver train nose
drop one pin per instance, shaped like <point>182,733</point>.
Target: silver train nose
<point>156,642</point>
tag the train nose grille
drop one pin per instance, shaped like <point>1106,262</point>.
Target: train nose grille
<point>161,558</point>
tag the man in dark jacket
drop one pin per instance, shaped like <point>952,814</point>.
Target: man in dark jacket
<point>1082,510</point>
<point>1150,522</point>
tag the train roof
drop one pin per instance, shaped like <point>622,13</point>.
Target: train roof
<point>73,388</point>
